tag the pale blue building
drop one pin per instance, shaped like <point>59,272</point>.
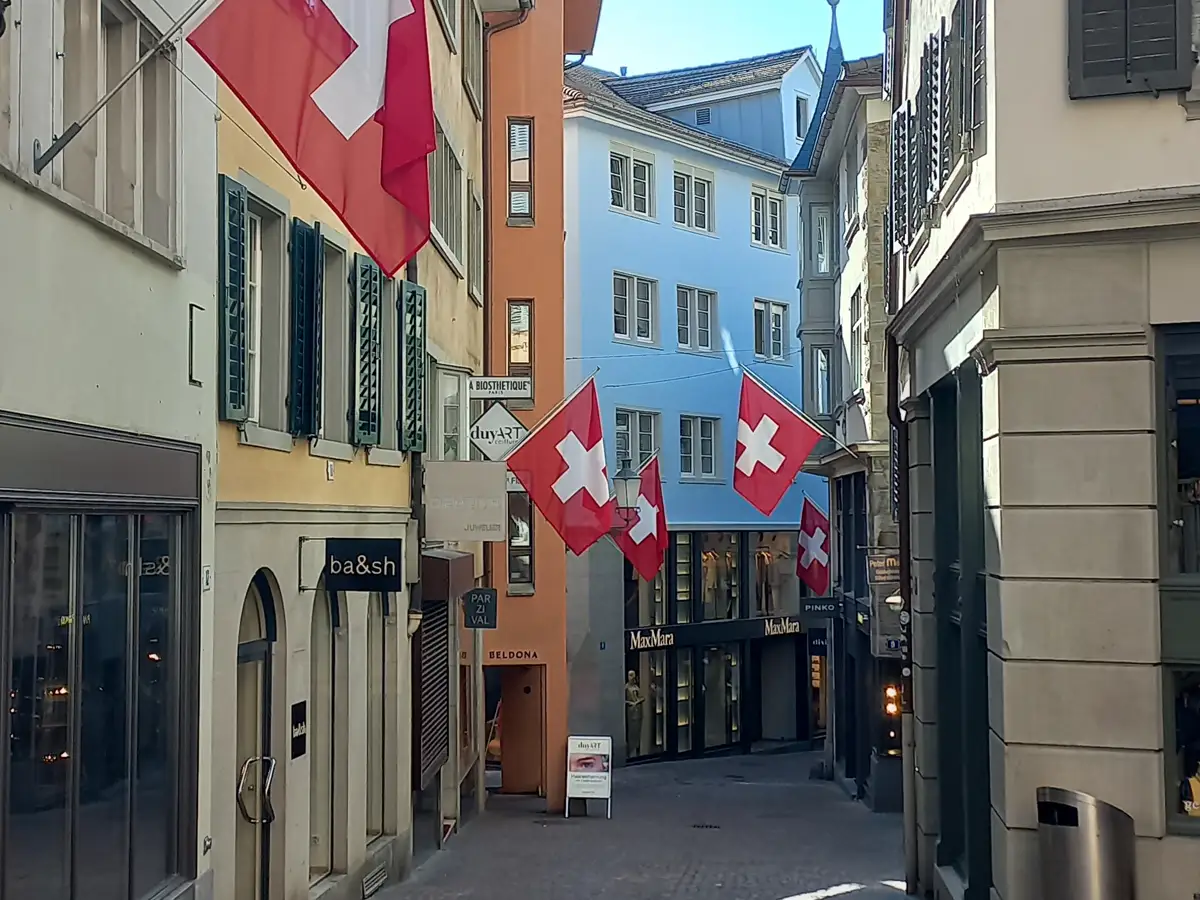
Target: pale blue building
<point>682,268</point>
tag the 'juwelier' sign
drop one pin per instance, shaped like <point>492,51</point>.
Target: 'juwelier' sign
<point>364,564</point>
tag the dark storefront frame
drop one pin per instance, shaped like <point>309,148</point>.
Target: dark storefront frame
<point>92,476</point>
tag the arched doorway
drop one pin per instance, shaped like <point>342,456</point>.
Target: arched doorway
<point>255,760</point>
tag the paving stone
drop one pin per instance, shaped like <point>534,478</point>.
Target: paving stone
<point>734,828</point>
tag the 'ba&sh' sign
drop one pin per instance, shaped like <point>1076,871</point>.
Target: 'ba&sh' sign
<point>364,564</point>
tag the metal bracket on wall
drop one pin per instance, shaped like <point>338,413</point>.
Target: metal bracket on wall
<point>300,585</point>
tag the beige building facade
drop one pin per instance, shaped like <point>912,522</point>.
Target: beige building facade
<point>351,743</point>
<point>1045,225</point>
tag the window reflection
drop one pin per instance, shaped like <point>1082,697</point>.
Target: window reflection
<point>645,601</point>
<point>645,703</point>
<point>1187,743</point>
<point>719,563</point>
<point>776,585</point>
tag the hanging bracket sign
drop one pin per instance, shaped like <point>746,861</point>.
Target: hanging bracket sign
<point>496,432</point>
<point>491,387</point>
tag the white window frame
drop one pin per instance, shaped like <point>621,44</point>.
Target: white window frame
<point>690,304</point>
<point>691,448</point>
<point>801,116</point>
<point>768,218</point>
<point>338,357</point>
<point>774,315</point>
<point>472,55</point>
<point>851,178</point>
<point>692,193</point>
<point>822,376</point>
<point>633,425</point>
<point>447,16</point>
<point>822,239</point>
<point>444,375</point>
<point>475,244</point>
<point>520,170</point>
<point>633,318</point>
<point>447,201</point>
<point>624,164</point>
<point>254,301</point>
<point>857,327</point>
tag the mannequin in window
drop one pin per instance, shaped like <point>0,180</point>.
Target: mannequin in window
<point>710,563</point>
<point>635,704</point>
<point>729,581</point>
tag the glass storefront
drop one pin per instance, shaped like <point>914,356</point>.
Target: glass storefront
<point>646,704</point>
<point>93,607</point>
<point>719,575</point>
<point>722,695</point>
<point>777,587</point>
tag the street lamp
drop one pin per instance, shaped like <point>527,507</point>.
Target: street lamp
<point>627,485</point>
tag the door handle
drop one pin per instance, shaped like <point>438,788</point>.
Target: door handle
<point>266,766</point>
<point>268,809</point>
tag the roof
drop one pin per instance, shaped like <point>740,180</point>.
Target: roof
<point>588,87</point>
<point>679,84</point>
<point>839,74</point>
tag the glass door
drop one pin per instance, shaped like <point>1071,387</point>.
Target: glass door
<point>722,696</point>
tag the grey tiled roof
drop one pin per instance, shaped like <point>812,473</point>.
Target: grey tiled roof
<point>679,84</point>
<point>591,87</point>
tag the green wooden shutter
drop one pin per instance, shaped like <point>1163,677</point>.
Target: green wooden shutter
<point>304,379</point>
<point>412,339</point>
<point>899,191</point>
<point>368,350</point>
<point>231,250</point>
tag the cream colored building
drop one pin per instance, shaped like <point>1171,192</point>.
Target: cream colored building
<point>107,457</point>
<point>358,715</point>
<point>1048,255</point>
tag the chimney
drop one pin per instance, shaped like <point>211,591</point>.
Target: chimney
<point>624,71</point>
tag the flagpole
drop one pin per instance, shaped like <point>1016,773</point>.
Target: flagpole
<point>774,393</point>
<point>60,143</point>
<point>550,415</point>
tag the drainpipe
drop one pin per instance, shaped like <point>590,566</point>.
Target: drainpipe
<point>903,504</point>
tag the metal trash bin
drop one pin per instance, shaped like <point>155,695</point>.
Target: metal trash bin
<point>1087,847</point>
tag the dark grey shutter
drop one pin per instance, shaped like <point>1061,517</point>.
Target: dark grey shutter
<point>1128,47</point>
<point>231,264</point>
<point>412,339</point>
<point>368,348</point>
<point>899,191</point>
<point>977,86</point>
<point>307,282</point>
<point>912,199</point>
<point>947,142</point>
<point>937,65</point>
<point>432,642</point>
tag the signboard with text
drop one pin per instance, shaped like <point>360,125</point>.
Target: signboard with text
<point>589,769</point>
<point>494,387</point>
<point>480,606</point>
<point>466,501</point>
<point>496,432</point>
<point>372,565</point>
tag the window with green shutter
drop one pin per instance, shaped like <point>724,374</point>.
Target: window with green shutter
<point>231,238</point>
<point>899,191</point>
<point>412,338</point>
<point>307,278</point>
<point>368,335</point>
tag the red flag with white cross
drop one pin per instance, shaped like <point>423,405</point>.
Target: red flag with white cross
<point>344,90</point>
<point>644,538</point>
<point>561,466</point>
<point>812,560</point>
<point>773,441</point>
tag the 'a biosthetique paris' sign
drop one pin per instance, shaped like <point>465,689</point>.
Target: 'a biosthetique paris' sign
<point>364,564</point>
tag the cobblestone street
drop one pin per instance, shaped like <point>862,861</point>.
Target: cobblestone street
<point>737,828</point>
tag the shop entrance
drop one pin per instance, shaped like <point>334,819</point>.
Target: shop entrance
<point>516,729</point>
<point>256,765</point>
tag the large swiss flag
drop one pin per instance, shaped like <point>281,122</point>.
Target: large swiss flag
<point>343,89</point>
<point>561,466</point>
<point>773,441</point>
<point>812,562</point>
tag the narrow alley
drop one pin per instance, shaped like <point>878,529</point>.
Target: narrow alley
<point>733,828</point>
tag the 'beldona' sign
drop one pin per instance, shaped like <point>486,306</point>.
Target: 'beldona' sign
<point>363,564</point>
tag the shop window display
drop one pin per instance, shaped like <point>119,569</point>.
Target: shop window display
<point>776,585</point>
<point>645,704</point>
<point>719,562</point>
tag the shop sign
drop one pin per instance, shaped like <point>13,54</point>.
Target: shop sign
<point>487,387</point>
<point>822,608</point>
<point>480,607</point>
<point>651,639</point>
<point>589,769</point>
<point>466,501</point>
<point>883,568</point>
<point>818,642</point>
<point>299,729</point>
<point>364,564</point>
<point>512,655</point>
<point>496,432</point>
<point>780,626</point>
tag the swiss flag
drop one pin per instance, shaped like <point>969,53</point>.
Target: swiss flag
<point>773,441</point>
<point>644,539</point>
<point>812,560</point>
<point>343,89</point>
<point>561,466</point>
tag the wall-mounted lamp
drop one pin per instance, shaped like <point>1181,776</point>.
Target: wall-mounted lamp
<point>627,484</point>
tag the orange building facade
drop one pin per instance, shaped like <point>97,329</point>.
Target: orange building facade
<point>525,658</point>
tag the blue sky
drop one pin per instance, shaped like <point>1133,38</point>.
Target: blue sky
<point>653,35</point>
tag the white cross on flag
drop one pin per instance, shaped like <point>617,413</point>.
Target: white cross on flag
<point>644,538</point>
<point>561,466</point>
<point>773,441</point>
<point>812,560</point>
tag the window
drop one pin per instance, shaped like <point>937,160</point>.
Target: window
<point>472,56</point>
<point>697,447</point>
<point>801,117</point>
<point>770,330</point>
<point>637,437</point>
<point>767,223</point>
<point>475,245</point>
<point>644,295</point>
<point>453,416</point>
<point>821,380</point>
<point>253,314</point>
<point>694,318</point>
<point>520,337</point>
<point>520,170</point>
<point>719,577</point>
<point>693,190</point>
<point>857,337</point>
<point>776,585</point>
<point>683,578</point>
<point>123,163</point>
<point>446,195</point>
<point>822,240</point>
<point>703,115</point>
<point>631,182</point>
<point>336,379</point>
<point>852,179</point>
<point>520,539</point>
<point>447,14</point>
